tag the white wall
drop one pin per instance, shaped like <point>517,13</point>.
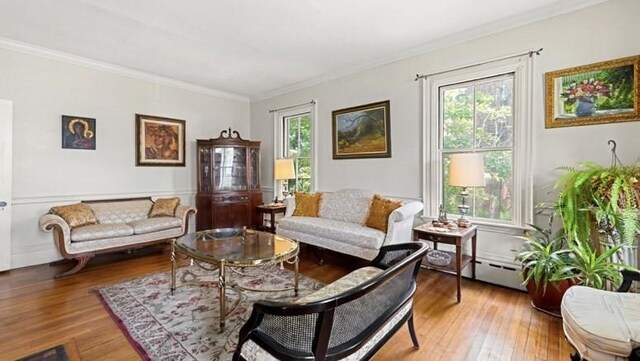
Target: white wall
<point>602,32</point>
<point>44,174</point>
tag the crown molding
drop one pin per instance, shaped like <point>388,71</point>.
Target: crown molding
<point>51,54</point>
<point>498,26</point>
<point>65,198</point>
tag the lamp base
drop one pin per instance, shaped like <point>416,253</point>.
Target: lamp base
<point>463,221</point>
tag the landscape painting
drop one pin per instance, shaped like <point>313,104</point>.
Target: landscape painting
<point>362,132</point>
<point>597,93</point>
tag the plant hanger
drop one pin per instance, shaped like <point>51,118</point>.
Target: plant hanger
<point>615,161</point>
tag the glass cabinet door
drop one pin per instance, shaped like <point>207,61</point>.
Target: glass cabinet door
<point>254,163</point>
<point>204,158</point>
<point>230,169</point>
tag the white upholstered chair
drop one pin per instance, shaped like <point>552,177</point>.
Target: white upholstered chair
<point>603,325</point>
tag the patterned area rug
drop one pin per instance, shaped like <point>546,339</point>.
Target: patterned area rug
<point>185,326</point>
<point>57,353</point>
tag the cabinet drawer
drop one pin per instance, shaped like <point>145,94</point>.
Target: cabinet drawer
<point>433,238</point>
<point>232,199</point>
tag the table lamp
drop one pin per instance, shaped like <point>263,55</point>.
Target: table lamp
<point>283,170</point>
<point>466,170</point>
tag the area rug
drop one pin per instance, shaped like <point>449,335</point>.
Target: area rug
<point>57,353</point>
<point>184,326</point>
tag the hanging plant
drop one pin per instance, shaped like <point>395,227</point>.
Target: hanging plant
<point>608,196</point>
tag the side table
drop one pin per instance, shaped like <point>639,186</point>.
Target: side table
<point>457,238</point>
<point>271,210</point>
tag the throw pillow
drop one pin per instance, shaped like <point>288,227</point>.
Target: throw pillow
<point>307,204</point>
<point>379,212</point>
<point>164,207</point>
<point>76,215</point>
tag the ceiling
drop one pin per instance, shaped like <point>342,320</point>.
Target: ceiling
<point>260,47</point>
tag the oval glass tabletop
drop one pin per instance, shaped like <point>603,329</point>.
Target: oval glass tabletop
<point>237,246</point>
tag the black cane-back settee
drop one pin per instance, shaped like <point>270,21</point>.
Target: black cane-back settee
<point>352,317</point>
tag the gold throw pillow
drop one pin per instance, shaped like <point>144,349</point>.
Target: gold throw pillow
<point>164,207</point>
<point>76,215</point>
<point>379,212</point>
<point>307,204</point>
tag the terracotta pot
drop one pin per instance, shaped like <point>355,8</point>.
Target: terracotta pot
<point>550,300</point>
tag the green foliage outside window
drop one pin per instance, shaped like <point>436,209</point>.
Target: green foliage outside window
<point>298,147</point>
<point>478,116</point>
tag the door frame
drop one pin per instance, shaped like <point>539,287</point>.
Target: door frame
<point>6,157</point>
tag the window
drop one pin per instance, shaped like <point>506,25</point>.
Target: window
<point>297,145</point>
<point>477,116</point>
<point>294,137</point>
<point>483,109</point>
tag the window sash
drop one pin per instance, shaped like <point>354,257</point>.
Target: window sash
<point>280,139</point>
<point>286,145</point>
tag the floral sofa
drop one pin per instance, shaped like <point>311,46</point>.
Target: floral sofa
<point>340,224</point>
<point>122,224</point>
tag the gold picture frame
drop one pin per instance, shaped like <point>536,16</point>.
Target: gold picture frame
<point>362,132</point>
<point>599,93</point>
<point>160,142</point>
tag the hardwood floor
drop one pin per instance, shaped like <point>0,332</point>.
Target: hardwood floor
<point>491,322</point>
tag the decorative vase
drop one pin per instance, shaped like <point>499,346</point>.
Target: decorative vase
<point>585,106</point>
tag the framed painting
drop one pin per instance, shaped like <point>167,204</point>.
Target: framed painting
<point>605,92</point>
<point>78,133</point>
<point>159,141</point>
<point>362,131</point>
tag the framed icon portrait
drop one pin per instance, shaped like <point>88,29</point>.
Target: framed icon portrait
<point>78,133</point>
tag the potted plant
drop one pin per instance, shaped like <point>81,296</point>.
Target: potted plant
<point>550,265</point>
<point>545,269</point>
<point>587,267</point>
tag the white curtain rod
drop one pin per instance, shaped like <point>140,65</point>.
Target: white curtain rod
<point>291,106</point>
<point>530,53</point>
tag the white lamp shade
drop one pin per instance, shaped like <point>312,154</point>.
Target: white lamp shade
<point>283,169</point>
<point>466,170</point>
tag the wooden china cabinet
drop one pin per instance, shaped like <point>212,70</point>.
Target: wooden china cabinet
<point>228,182</point>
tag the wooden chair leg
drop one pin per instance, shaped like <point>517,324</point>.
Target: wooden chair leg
<point>412,332</point>
<point>320,251</point>
<point>82,261</point>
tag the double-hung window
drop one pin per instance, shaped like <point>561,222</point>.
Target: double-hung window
<point>294,139</point>
<point>481,110</point>
<point>297,146</point>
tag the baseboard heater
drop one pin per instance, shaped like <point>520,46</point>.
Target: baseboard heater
<point>499,273</point>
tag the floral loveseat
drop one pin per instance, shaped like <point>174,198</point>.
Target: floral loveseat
<point>119,224</point>
<point>340,224</point>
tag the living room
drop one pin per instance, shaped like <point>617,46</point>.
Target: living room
<point>107,63</point>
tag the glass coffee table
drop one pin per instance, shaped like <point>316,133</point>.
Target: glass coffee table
<point>233,249</point>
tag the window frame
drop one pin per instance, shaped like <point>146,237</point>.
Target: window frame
<point>279,140</point>
<point>433,189</point>
<point>286,145</point>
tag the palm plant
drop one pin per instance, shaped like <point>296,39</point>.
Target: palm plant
<point>590,268</point>
<point>544,258</point>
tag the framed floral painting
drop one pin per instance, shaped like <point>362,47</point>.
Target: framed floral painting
<point>159,141</point>
<point>362,131</point>
<point>605,92</point>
